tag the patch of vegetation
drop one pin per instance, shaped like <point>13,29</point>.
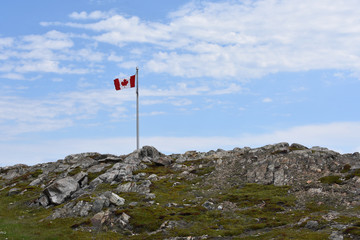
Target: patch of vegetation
<point>292,148</point>
<point>272,197</point>
<point>319,205</point>
<point>92,176</point>
<point>346,168</point>
<point>331,180</point>
<point>26,177</point>
<point>132,197</point>
<point>288,233</point>
<point>353,230</point>
<point>355,173</point>
<point>167,190</point>
<point>155,169</point>
<point>36,173</point>
<point>205,161</point>
<point>347,220</point>
<point>203,171</point>
<point>74,171</point>
<point>103,187</point>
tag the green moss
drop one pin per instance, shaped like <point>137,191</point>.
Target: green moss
<point>205,161</point>
<point>292,148</point>
<point>92,176</point>
<point>355,173</point>
<point>26,177</point>
<point>74,171</point>
<point>331,180</point>
<point>103,187</point>
<point>347,220</point>
<point>132,197</point>
<point>346,168</point>
<point>203,171</point>
<point>272,197</point>
<point>354,230</point>
<point>36,173</point>
<point>288,233</point>
<point>167,191</point>
<point>156,169</point>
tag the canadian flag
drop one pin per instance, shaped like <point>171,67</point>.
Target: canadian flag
<point>125,83</point>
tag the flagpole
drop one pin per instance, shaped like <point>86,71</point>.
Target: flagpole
<point>137,108</point>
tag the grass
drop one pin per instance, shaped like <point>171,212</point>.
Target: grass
<point>331,180</point>
<point>273,197</point>
<point>155,169</point>
<point>355,173</point>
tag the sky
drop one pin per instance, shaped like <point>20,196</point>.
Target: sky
<point>212,74</point>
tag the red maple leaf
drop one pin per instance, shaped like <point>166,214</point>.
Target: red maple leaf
<point>124,82</point>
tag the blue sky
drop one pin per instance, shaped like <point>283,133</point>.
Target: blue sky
<point>213,74</point>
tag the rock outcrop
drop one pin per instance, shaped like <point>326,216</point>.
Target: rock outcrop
<point>147,192</point>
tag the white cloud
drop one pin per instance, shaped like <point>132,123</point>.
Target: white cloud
<point>15,76</point>
<point>20,115</point>
<point>246,39</point>
<point>50,40</point>
<point>181,102</point>
<point>57,79</point>
<point>114,58</point>
<point>267,100</point>
<point>92,15</point>
<point>6,42</point>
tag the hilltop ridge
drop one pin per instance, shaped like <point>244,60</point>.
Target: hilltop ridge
<point>278,191</point>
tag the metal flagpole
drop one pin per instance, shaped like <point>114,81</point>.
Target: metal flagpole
<point>137,108</point>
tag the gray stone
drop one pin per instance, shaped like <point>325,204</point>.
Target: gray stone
<point>14,191</point>
<point>314,225</point>
<point>296,146</point>
<point>335,235</point>
<point>123,220</point>
<point>209,205</point>
<point>281,147</point>
<point>142,188</point>
<point>148,151</point>
<point>162,161</point>
<point>279,177</point>
<point>80,176</point>
<point>36,181</point>
<point>14,171</point>
<point>61,189</point>
<point>80,157</point>
<point>98,168</point>
<point>150,196</point>
<point>100,203</point>
<point>116,200</point>
<point>81,209</point>
<point>133,204</point>
<point>44,201</point>
<point>100,218</point>
<point>153,177</point>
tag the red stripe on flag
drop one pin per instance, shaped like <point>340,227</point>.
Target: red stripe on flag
<point>132,81</point>
<point>117,84</point>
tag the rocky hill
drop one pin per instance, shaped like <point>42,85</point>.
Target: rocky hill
<point>277,191</point>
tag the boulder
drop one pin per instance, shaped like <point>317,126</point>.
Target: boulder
<point>123,220</point>
<point>143,187</point>
<point>100,203</point>
<point>162,161</point>
<point>61,189</point>
<point>148,151</point>
<point>100,218</point>
<point>116,200</point>
<point>14,191</point>
<point>43,200</point>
